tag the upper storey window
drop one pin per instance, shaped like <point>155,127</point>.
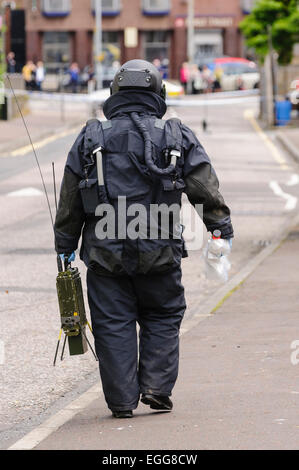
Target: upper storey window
<point>56,7</point>
<point>156,7</point>
<point>109,7</point>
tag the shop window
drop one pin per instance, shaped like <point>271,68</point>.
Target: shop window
<point>56,50</point>
<point>156,7</point>
<point>111,56</point>
<point>56,7</point>
<point>109,7</point>
<point>156,50</point>
<point>207,44</point>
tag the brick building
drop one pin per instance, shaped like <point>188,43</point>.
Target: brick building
<point>61,31</point>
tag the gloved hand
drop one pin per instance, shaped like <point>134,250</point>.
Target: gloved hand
<point>71,257</point>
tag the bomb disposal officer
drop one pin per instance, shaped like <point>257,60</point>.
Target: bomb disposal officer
<point>133,160</point>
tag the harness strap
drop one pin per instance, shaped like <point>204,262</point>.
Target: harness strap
<point>94,145</point>
<point>174,145</point>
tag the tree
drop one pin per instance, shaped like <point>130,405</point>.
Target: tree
<point>278,18</point>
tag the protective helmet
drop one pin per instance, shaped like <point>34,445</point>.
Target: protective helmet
<point>138,75</point>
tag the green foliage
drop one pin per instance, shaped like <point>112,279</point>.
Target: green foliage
<point>278,19</point>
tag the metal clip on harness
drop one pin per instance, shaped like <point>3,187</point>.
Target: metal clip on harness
<point>148,150</point>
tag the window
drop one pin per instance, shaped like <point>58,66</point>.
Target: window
<point>156,7</point>
<point>109,7</point>
<point>247,6</point>
<point>111,60</point>
<point>56,7</point>
<point>208,43</point>
<point>56,50</point>
<point>235,68</point>
<point>156,50</point>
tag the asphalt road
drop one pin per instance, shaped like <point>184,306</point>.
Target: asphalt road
<point>255,182</point>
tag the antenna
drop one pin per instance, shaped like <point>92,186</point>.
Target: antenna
<point>54,183</point>
<point>59,262</point>
<point>34,152</point>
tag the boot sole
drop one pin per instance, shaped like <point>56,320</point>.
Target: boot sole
<point>122,416</point>
<point>155,404</point>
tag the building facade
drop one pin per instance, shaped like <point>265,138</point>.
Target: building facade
<point>61,31</point>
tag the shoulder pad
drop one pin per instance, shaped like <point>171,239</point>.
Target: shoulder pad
<point>106,124</point>
<point>93,136</point>
<point>160,124</point>
<point>173,134</point>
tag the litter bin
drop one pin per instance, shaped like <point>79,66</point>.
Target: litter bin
<point>283,112</point>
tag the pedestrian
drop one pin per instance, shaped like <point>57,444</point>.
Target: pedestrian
<point>133,163</point>
<point>74,73</point>
<point>11,62</point>
<point>207,77</point>
<point>28,72</point>
<point>218,74</point>
<point>196,79</point>
<point>185,76</point>
<point>40,75</point>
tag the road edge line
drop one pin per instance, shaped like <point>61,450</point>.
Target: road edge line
<point>52,424</point>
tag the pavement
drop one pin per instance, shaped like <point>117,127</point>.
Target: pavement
<point>289,138</point>
<point>239,377</point>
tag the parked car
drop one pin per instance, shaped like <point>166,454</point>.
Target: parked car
<point>293,95</point>
<point>237,73</point>
<point>294,92</point>
<point>173,90</point>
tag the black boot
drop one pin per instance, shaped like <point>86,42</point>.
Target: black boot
<point>157,402</point>
<point>123,414</point>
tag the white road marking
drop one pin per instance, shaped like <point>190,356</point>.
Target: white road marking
<point>291,200</point>
<point>26,192</point>
<point>293,181</point>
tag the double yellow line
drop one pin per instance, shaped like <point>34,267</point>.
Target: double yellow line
<point>42,143</point>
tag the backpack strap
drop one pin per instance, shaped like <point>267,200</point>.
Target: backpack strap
<point>93,136</point>
<point>93,151</point>
<point>173,150</point>
<point>174,139</point>
<point>94,139</point>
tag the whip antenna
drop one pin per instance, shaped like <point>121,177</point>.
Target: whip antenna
<point>34,152</point>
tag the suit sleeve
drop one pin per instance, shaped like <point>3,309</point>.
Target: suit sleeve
<point>70,215</point>
<point>202,186</point>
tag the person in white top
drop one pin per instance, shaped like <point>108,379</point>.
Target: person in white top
<point>40,75</point>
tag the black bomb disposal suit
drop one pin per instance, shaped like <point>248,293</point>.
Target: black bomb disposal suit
<point>135,281</point>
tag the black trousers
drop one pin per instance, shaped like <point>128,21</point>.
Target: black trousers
<point>157,303</point>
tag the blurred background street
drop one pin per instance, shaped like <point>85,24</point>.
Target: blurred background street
<point>216,85</point>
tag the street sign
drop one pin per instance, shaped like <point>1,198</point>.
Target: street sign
<point>131,37</point>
